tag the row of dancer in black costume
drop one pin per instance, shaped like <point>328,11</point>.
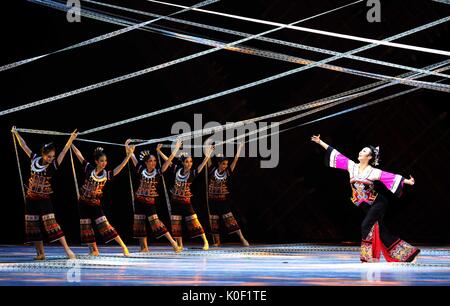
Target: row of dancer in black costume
<point>39,208</point>
<point>376,238</point>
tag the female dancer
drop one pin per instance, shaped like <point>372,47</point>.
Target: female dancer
<point>90,194</point>
<point>375,236</point>
<point>38,206</point>
<point>219,197</point>
<point>182,197</point>
<point>146,195</point>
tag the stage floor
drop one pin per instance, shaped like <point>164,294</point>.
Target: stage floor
<point>230,265</point>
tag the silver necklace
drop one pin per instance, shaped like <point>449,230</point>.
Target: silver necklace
<point>219,176</point>
<point>36,167</point>
<point>147,175</point>
<point>98,178</point>
<point>181,177</point>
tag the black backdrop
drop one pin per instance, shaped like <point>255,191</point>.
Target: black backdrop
<point>300,200</point>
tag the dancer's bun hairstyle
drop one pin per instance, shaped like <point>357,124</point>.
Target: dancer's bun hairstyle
<point>99,152</point>
<point>48,147</point>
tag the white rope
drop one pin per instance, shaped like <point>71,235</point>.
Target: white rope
<point>343,97</point>
<point>100,142</point>
<point>337,102</point>
<point>262,81</point>
<point>319,119</point>
<point>137,73</point>
<point>106,18</point>
<point>166,194</point>
<point>218,128</point>
<point>56,133</point>
<point>315,31</point>
<point>131,188</point>
<point>297,60</point>
<point>207,201</point>
<point>101,84</point>
<point>42,132</point>
<point>77,190</point>
<point>98,38</point>
<point>19,168</point>
<point>443,1</point>
<point>340,113</point>
<point>350,95</point>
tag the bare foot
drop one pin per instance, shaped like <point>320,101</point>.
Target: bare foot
<point>70,254</point>
<point>216,244</point>
<point>245,243</point>
<point>206,246</point>
<point>177,249</point>
<point>126,253</point>
<point>144,250</point>
<point>40,257</point>
<point>94,253</point>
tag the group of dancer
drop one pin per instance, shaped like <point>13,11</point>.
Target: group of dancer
<point>376,238</point>
<point>39,209</point>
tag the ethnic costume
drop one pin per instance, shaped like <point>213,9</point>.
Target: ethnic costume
<point>182,203</point>
<point>90,206</point>
<point>375,236</point>
<point>145,204</point>
<point>39,208</point>
<point>219,201</point>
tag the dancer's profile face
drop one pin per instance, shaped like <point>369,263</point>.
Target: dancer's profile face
<point>48,157</point>
<point>365,155</point>
<point>223,165</point>
<point>151,163</point>
<point>102,162</point>
<point>187,163</point>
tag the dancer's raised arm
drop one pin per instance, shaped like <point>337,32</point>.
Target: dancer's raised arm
<point>172,156</point>
<point>208,153</point>
<point>66,147</point>
<point>333,157</point>
<point>317,140</point>
<point>158,150</point>
<point>133,158</point>
<point>21,141</point>
<point>130,151</point>
<point>78,154</point>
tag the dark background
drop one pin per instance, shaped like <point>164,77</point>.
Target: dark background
<point>299,201</point>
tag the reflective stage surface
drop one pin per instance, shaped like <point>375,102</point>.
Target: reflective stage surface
<point>285,265</point>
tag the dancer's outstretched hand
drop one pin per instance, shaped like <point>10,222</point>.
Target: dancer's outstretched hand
<point>209,150</point>
<point>74,134</point>
<point>316,139</point>
<point>129,149</point>
<point>178,144</point>
<point>411,181</point>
